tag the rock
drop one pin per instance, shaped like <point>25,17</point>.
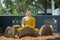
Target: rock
<point>45,30</point>
<point>48,39</point>
<point>27,31</point>
<point>10,32</point>
<point>57,38</point>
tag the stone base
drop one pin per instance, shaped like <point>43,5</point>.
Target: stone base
<point>55,36</point>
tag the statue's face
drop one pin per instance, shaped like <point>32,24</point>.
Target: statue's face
<point>28,13</point>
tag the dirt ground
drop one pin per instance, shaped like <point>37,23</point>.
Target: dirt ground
<point>31,38</point>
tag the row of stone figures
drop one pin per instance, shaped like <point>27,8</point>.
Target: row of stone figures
<point>27,31</point>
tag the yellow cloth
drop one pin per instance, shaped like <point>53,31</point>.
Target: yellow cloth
<point>36,29</point>
<point>19,29</point>
<point>29,23</point>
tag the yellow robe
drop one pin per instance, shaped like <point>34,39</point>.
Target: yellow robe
<point>30,22</point>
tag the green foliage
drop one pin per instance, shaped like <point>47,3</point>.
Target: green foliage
<point>17,7</point>
<point>1,9</point>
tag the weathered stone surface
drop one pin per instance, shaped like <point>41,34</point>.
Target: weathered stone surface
<point>57,38</point>
<point>48,39</point>
<point>27,31</point>
<point>54,36</point>
<point>45,30</point>
<point>10,32</point>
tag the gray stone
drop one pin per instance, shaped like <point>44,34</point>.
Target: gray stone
<point>10,32</point>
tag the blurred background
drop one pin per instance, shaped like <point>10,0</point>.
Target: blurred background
<point>45,11</point>
<point>19,7</point>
